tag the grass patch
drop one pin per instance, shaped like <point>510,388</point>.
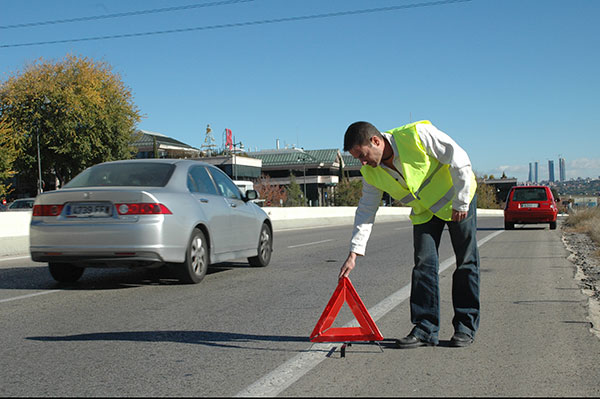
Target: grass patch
<point>585,221</point>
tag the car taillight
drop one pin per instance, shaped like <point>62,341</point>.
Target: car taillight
<point>142,209</point>
<point>47,210</point>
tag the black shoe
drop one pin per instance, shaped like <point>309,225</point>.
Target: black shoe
<point>410,341</point>
<point>460,340</point>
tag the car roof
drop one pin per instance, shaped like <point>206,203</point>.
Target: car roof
<point>169,161</point>
<point>156,160</point>
<point>538,186</point>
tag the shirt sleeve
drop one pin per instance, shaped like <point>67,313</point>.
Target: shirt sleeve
<point>442,147</point>
<point>364,217</point>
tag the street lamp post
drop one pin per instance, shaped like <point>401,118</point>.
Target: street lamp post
<point>302,157</point>
<point>40,189</point>
<point>233,156</point>
<point>304,177</point>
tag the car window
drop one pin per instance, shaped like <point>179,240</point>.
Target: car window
<point>22,204</point>
<point>199,181</point>
<point>225,186</point>
<point>530,194</point>
<point>124,174</point>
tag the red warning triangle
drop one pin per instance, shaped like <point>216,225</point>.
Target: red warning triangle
<point>367,331</point>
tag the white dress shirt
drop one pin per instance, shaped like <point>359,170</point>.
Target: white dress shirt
<point>438,145</point>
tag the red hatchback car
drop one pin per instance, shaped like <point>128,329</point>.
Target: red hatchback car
<point>530,204</point>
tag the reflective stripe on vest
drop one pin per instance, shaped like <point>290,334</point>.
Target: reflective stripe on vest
<point>429,190</point>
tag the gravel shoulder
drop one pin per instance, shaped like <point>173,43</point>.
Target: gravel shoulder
<point>584,255</point>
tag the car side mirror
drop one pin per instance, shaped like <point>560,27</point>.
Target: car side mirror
<point>250,195</point>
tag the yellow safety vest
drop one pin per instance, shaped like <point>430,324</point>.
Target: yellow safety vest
<point>429,188</point>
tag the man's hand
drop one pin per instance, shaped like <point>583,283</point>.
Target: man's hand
<point>458,216</point>
<point>348,265</point>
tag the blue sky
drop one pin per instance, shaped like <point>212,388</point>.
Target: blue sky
<point>512,81</point>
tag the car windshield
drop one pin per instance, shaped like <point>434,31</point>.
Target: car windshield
<point>530,194</point>
<point>145,174</point>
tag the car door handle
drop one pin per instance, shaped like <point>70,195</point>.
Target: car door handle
<point>232,204</point>
<point>203,200</point>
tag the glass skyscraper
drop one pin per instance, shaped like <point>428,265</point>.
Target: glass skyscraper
<point>562,172</point>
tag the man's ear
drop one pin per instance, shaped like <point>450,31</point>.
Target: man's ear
<point>375,141</point>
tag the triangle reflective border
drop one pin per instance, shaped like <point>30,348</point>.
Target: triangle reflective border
<point>367,331</point>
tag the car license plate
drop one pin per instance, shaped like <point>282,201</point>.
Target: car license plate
<point>529,205</point>
<point>88,210</point>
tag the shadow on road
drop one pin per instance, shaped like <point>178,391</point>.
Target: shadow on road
<point>208,338</point>
<point>39,278</point>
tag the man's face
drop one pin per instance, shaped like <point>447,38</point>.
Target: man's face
<point>369,154</point>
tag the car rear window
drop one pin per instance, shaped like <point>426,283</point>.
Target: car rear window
<point>21,204</point>
<point>140,174</point>
<point>530,194</point>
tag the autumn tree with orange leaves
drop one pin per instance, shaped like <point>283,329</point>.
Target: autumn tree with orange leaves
<point>273,194</point>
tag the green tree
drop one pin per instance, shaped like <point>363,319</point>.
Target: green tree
<point>295,196</point>
<point>154,147</point>
<point>8,154</point>
<point>348,192</point>
<point>81,111</point>
<point>486,196</point>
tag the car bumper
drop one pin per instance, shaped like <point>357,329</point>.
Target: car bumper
<point>107,244</point>
<point>530,216</point>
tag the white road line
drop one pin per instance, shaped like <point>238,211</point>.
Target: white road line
<point>309,243</point>
<point>28,295</point>
<point>16,298</point>
<point>291,371</point>
<point>287,229</point>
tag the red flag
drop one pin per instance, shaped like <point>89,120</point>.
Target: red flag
<point>228,141</point>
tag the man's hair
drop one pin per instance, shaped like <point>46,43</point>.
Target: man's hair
<point>359,133</point>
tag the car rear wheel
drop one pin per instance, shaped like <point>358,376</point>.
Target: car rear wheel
<point>509,226</point>
<point>195,266</point>
<point>553,225</point>
<point>65,272</point>
<point>265,248</point>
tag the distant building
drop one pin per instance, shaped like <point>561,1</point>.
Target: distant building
<point>536,172</point>
<point>501,186</point>
<point>236,166</point>
<point>562,173</point>
<point>530,178</point>
<point>551,171</point>
<point>584,201</point>
<point>316,171</point>
<point>165,147</point>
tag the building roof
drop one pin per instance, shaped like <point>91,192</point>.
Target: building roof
<point>289,156</point>
<point>147,140</point>
<point>350,161</point>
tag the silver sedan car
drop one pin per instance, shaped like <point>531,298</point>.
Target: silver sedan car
<point>148,213</point>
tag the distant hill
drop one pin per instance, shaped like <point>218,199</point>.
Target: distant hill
<point>586,187</point>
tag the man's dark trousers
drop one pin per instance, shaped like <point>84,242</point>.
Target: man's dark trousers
<point>425,292</point>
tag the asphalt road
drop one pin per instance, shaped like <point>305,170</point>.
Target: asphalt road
<point>244,331</point>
